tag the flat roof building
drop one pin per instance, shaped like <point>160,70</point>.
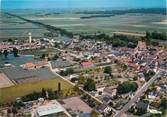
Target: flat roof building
<point>49,109</point>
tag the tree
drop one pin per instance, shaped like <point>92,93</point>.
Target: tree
<point>14,110</point>
<point>93,114</point>
<point>43,93</point>
<point>126,87</point>
<point>89,85</point>
<point>164,103</point>
<point>15,52</point>
<point>107,70</point>
<point>43,56</point>
<point>59,87</point>
<point>148,34</point>
<point>148,75</point>
<point>69,71</point>
<point>1,54</point>
<point>56,45</point>
<point>148,41</point>
<point>5,53</point>
<point>55,57</point>
<point>11,40</point>
<point>81,80</point>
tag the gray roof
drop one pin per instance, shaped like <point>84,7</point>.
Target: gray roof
<point>22,59</point>
<point>84,115</point>
<point>15,73</point>
<point>60,63</point>
<point>102,107</point>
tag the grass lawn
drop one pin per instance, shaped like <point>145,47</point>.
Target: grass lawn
<point>3,59</point>
<point>11,93</point>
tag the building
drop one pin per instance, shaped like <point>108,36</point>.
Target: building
<point>87,64</point>
<point>20,75</point>
<point>49,108</point>
<point>29,65</point>
<point>103,108</point>
<point>141,46</point>
<point>60,64</point>
<point>111,91</point>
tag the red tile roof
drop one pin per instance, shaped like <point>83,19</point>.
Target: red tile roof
<point>86,63</point>
<point>29,65</point>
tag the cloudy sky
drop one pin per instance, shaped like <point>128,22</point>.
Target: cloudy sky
<point>22,4</point>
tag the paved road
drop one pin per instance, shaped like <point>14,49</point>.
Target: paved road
<point>138,94</point>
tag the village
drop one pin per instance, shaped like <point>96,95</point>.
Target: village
<point>105,78</point>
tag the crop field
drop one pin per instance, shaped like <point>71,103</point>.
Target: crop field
<point>127,22</point>
<point>11,93</point>
<point>11,27</point>
<point>72,22</point>
<point>130,34</point>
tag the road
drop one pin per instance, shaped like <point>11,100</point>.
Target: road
<point>138,94</point>
<point>79,87</point>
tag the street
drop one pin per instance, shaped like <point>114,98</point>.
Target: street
<point>138,94</point>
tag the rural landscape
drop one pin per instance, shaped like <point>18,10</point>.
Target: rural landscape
<point>71,60</point>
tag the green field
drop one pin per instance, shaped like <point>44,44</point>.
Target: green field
<point>11,27</point>
<point>11,93</point>
<point>127,22</point>
<point>72,22</point>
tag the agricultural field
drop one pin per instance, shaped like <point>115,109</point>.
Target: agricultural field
<point>128,22</point>
<point>13,27</point>
<point>11,93</point>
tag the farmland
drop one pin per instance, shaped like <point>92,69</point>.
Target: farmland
<point>11,93</point>
<point>11,27</point>
<point>127,22</point>
<point>130,22</point>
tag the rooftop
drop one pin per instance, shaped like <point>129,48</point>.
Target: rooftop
<point>14,73</point>
<point>60,63</point>
<point>49,108</point>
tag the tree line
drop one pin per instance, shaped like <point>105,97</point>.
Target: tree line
<point>5,53</point>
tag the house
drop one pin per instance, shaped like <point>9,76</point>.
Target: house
<point>141,46</point>
<point>111,91</point>
<point>153,96</point>
<point>141,77</point>
<point>106,99</point>
<point>163,88</point>
<point>87,64</point>
<point>105,109</point>
<point>29,65</point>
